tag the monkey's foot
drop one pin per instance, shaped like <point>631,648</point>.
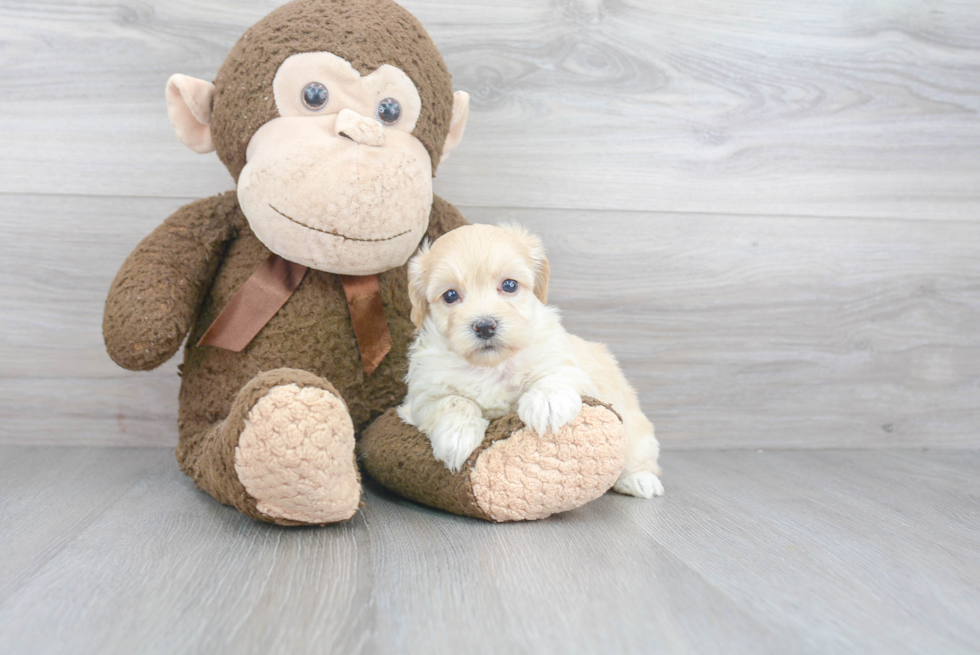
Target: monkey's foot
<point>529,476</point>
<point>295,456</point>
<point>514,475</point>
<point>284,454</point>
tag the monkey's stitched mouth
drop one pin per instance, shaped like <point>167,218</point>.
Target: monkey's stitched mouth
<point>336,234</point>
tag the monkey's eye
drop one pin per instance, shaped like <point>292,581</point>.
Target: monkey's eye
<point>509,286</point>
<point>315,96</point>
<point>450,297</point>
<point>388,111</point>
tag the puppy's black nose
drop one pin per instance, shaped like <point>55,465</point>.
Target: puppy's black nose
<point>485,328</point>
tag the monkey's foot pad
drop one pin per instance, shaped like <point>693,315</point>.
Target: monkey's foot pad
<point>514,475</point>
<point>530,476</point>
<point>295,456</point>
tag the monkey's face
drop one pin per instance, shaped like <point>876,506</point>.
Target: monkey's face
<point>338,182</point>
<point>336,179</point>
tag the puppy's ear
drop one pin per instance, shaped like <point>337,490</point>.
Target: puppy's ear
<point>539,260</point>
<point>542,273</point>
<point>416,284</point>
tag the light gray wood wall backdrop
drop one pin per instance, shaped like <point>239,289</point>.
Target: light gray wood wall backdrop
<point>768,209</point>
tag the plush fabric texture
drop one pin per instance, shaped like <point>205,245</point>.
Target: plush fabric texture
<point>346,87</point>
<point>400,457</point>
<point>176,282</point>
<point>255,302</point>
<point>367,33</point>
<point>189,103</point>
<point>457,126</point>
<point>295,456</point>
<point>155,296</point>
<point>209,457</point>
<point>300,201</point>
<point>530,476</point>
<point>363,130</point>
<point>262,429</point>
<point>513,475</point>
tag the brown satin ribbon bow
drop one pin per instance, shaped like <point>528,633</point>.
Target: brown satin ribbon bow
<point>270,286</point>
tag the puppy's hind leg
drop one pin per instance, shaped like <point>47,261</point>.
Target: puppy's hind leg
<point>640,475</point>
<point>642,484</point>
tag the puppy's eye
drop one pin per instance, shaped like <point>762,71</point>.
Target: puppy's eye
<point>315,96</point>
<point>450,297</point>
<point>509,286</point>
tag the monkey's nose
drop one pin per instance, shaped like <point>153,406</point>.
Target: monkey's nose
<point>359,129</point>
<point>485,328</point>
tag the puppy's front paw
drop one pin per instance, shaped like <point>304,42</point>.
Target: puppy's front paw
<point>553,408</point>
<point>642,484</point>
<point>453,441</point>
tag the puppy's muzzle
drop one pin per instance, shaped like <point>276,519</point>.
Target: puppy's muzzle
<point>485,328</point>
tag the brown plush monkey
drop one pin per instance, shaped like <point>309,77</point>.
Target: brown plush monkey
<point>332,116</point>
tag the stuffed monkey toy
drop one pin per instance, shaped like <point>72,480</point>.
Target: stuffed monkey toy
<point>332,117</point>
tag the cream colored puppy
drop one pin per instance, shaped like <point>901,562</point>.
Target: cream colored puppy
<point>487,344</point>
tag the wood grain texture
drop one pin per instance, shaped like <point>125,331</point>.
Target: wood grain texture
<point>54,495</point>
<point>159,562</point>
<point>768,107</point>
<point>786,332</point>
<point>756,552</point>
<point>737,331</point>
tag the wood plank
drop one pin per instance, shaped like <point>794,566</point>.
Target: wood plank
<point>737,331</point>
<point>167,568</point>
<point>130,409</point>
<point>859,551</point>
<point>583,582</point>
<point>54,278</point>
<point>754,332</point>
<point>818,109</point>
<point>763,552</point>
<point>828,552</point>
<point>48,496</point>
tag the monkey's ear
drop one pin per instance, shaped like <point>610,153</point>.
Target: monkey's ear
<point>189,103</point>
<point>416,285</point>
<point>461,111</point>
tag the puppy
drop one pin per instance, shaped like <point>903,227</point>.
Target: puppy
<point>487,343</point>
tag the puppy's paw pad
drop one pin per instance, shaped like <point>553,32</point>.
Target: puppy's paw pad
<point>544,409</point>
<point>641,484</point>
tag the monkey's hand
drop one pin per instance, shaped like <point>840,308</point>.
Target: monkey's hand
<point>157,292</point>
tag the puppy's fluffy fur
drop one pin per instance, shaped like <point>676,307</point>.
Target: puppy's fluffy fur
<point>458,380</point>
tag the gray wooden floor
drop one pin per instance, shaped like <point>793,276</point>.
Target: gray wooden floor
<point>112,550</point>
<point>770,211</point>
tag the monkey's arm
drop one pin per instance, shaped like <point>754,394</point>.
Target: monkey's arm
<point>444,217</point>
<point>156,294</point>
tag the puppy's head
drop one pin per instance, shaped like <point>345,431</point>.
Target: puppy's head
<point>481,286</point>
